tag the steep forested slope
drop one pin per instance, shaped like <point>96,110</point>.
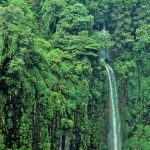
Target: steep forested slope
<point>54,88</point>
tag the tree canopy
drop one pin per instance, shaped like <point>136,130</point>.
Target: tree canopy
<point>53,85</point>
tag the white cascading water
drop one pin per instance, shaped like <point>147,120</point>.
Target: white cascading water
<point>67,142</point>
<point>114,137</point>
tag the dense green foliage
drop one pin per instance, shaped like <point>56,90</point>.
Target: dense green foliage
<point>53,86</point>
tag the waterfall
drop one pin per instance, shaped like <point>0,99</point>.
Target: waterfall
<point>60,143</point>
<point>114,137</point>
<point>67,142</point>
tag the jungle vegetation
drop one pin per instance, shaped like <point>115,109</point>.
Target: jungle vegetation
<point>53,87</point>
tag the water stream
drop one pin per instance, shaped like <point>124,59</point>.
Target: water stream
<point>114,137</point>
